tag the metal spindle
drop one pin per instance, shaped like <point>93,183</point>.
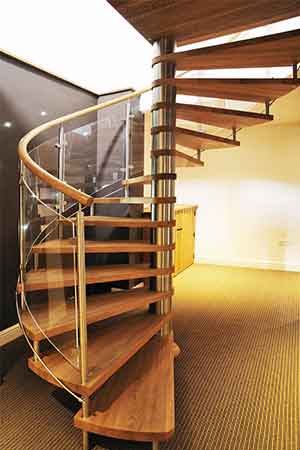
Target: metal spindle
<point>295,71</point>
<point>127,147</point>
<point>22,232</point>
<point>82,315</point>
<point>36,346</point>
<point>85,413</point>
<point>61,173</point>
<point>82,296</point>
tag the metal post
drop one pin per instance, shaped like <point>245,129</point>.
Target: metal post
<point>267,107</point>
<point>22,232</point>
<point>295,71</point>
<point>36,261</point>
<point>36,347</point>
<point>85,413</point>
<point>92,209</point>
<point>82,296</point>
<point>61,173</point>
<point>234,133</point>
<point>82,315</point>
<point>163,165</point>
<point>127,147</point>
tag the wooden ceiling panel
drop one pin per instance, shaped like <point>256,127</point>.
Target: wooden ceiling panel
<point>196,20</point>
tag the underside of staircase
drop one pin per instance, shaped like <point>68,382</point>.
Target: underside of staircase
<point>103,330</point>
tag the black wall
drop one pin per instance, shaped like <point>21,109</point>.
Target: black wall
<point>24,93</point>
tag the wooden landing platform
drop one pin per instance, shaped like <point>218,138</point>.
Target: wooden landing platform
<point>137,403</point>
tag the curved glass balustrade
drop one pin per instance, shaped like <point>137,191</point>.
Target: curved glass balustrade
<point>94,155</point>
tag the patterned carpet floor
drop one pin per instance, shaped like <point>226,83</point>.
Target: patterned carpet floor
<point>237,377</point>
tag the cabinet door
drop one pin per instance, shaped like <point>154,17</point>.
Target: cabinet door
<point>188,243</point>
<point>179,244</point>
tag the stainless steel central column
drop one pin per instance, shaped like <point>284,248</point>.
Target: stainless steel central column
<point>163,166</point>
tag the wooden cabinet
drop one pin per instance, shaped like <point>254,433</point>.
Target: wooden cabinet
<point>184,253</point>
<point>185,236</point>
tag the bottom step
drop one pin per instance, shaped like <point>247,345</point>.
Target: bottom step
<point>137,403</point>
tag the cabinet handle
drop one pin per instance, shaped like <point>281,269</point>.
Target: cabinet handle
<point>179,229</point>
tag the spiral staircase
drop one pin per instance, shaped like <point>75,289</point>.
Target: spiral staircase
<point>102,330</point>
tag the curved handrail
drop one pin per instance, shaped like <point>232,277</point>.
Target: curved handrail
<point>41,173</point>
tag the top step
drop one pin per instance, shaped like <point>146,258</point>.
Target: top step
<point>282,49</point>
<point>196,20</point>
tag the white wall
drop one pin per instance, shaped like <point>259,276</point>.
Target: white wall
<point>249,197</point>
<point>84,41</point>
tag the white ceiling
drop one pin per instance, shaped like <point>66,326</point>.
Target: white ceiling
<point>84,41</point>
<point>89,43</point>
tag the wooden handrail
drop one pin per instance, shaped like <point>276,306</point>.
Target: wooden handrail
<point>41,173</point>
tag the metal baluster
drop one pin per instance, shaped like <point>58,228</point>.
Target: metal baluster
<point>127,148</point>
<point>61,173</point>
<point>82,315</point>
<point>22,232</point>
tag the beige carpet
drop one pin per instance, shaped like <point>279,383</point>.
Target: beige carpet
<point>237,378</point>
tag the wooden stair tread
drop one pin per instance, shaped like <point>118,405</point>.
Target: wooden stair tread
<point>146,179</point>
<point>110,345</point>
<point>184,160</point>
<point>58,316</point>
<point>282,49</point>
<point>205,141</point>
<point>195,20</point>
<point>220,117</point>
<point>248,89</point>
<point>137,403</point>
<point>123,222</point>
<point>68,246</point>
<point>133,200</point>
<point>58,278</point>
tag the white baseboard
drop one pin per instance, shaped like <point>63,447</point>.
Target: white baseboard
<point>10,334</point>
<point>252,264</point>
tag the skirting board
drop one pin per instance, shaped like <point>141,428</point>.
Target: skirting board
<point>10,334</point>
<point>251,264</point>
